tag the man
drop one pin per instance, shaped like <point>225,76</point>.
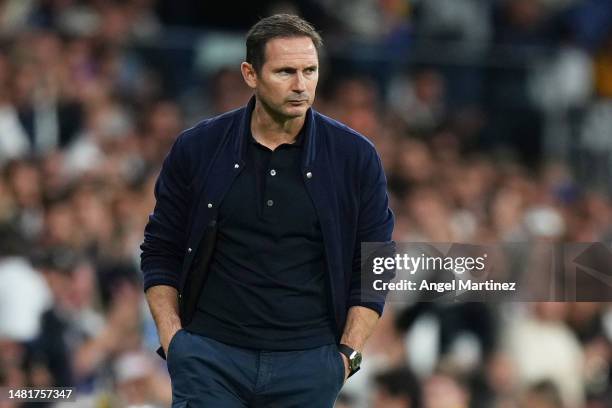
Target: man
<point>396,388</point>
<point>257,229</point>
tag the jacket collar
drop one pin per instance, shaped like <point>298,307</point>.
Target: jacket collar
<point>309,135</point>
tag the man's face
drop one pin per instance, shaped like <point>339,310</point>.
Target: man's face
<point>287,81</point>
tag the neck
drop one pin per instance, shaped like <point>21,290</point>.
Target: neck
<point>273,130</point>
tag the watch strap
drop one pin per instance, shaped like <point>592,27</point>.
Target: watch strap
<point>350,353</point>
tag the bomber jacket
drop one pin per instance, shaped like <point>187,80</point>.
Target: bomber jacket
<point>342,174</point>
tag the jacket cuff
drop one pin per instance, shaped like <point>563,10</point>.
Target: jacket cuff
<point>375,306</point>
<point>160,277</point>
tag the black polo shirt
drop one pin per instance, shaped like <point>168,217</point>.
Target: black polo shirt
<point>267,287</point>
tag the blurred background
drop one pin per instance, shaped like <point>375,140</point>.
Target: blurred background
<point>493,119</point>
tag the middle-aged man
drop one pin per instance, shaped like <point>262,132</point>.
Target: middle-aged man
<point>251,258</point>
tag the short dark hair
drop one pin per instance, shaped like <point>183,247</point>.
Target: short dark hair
<point>400,382</point>
<point>276,26</point>
<point>546,390</point>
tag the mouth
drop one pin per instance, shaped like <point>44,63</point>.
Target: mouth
<point>298,101</point>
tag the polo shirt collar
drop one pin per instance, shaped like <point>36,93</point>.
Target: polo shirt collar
<point>307,136</point>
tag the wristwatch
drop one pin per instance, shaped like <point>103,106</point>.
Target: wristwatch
<point>353,356</point>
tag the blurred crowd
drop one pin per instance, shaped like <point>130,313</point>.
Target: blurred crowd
<point>493,119</point>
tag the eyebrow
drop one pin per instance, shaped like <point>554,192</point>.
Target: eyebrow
<point>287,68</point>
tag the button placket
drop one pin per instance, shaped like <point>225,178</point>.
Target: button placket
<point>271,183</point>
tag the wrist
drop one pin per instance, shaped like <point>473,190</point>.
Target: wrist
<point>352,358</point>
<point>166,338</point>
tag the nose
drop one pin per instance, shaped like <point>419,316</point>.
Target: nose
<point>299,84</point>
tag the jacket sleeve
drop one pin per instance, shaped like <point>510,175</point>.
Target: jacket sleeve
<point>165,235</point>
<point>375,225</point>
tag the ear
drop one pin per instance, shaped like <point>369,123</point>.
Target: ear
<point>249,74</point>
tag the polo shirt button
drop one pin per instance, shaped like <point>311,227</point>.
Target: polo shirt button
<point>273,172</point>
<point>309,175</point>
<point>270,203</point>
<point>189,250</point>
<point>209,205</point>
<point>236,166</point>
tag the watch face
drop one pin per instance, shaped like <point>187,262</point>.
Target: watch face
<point>355,362</point>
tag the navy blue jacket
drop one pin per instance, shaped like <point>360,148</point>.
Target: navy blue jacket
<point>342,173</point>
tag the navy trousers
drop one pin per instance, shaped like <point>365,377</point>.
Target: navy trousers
<point>206,373</point>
